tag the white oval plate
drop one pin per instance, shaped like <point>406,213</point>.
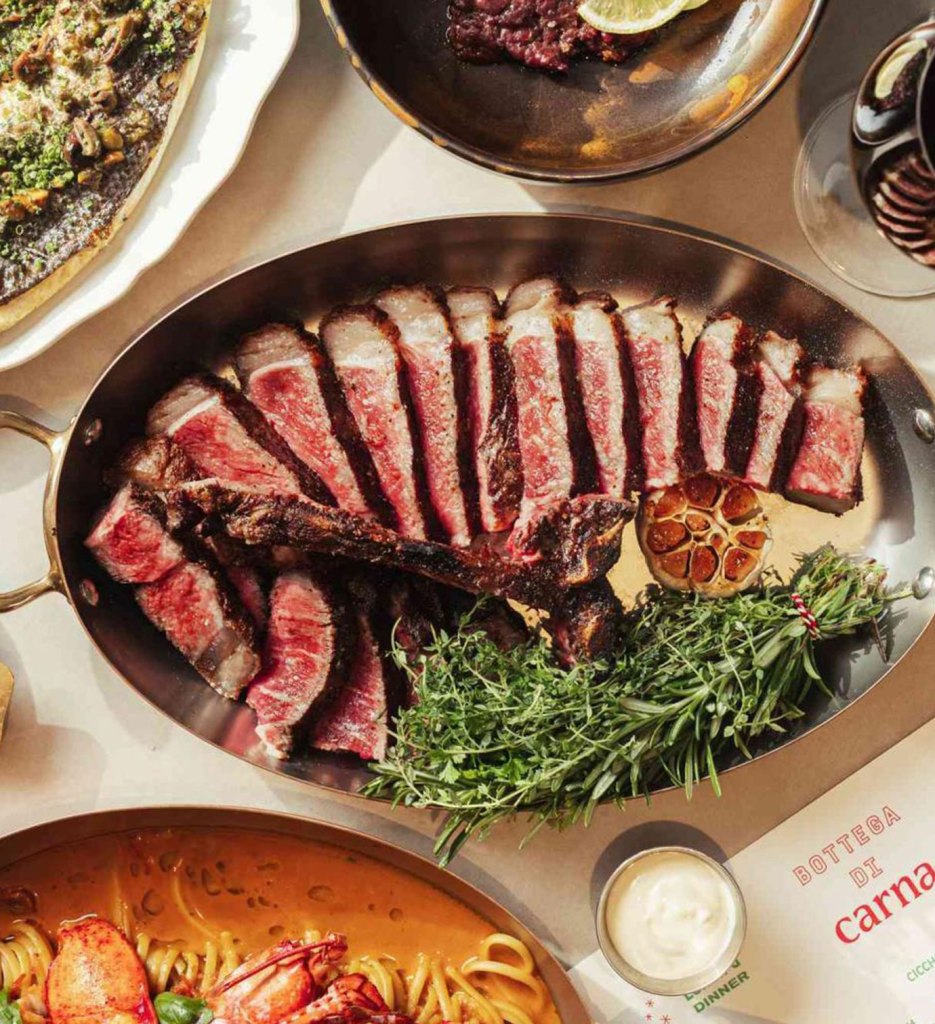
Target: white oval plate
<point>248,45</point>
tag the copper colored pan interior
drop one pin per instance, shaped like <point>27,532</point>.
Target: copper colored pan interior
<point>29,843</point>
<point>634,262</point>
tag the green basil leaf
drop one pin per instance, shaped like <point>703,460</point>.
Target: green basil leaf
<point>9,1013</point>
<point>175,1009</point>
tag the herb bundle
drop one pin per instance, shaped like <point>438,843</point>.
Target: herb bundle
<point>495,733</point>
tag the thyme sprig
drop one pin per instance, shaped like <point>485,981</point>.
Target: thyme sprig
<point>694,682</point>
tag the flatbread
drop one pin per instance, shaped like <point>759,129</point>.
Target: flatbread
<point>151,79</point>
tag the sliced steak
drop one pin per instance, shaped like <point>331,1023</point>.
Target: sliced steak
<point>667,416</point>
<point>779,416</point>
<point>498,467</point>
<point>130,538</point>
<point>556,449</point>
<point>309,639</point>
<point>357,719</point>
<point>181,588</point>
<point>203,617</point>
<point>363,345</point>
<point>155,463</point>
<point>253,517</point>
<point>611,408</point>
<point>225,436</point>
<point>826,471</point>
<point>248,583</point>
<point>438,385</point>
<point>286,374</point>
<point>727,392</point>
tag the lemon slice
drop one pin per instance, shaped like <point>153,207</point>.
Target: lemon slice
<point>894,67</point>
<point>627,17</point>
<point>692,4</point>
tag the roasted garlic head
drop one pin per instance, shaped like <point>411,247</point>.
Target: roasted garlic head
<point>705,534</point>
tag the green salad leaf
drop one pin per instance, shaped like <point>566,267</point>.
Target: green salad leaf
<point>176,1009</point>
<point>9,1011</point>
<point>693,684</point>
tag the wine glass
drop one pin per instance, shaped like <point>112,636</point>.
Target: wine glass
<point>865,179</point>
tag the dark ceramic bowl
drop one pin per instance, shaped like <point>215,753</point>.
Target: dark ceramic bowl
<point>704,74</point>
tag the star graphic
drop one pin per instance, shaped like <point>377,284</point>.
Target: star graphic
<point>648,1016</point>
<point>650,1003</point>
<point>666,1019</point>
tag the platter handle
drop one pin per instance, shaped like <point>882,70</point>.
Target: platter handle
<point>55,442</point>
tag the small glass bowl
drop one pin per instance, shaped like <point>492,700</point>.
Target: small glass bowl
<point>678,986</point>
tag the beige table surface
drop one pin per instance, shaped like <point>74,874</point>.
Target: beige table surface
<point>326,158</point>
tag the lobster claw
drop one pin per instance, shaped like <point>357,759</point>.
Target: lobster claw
<point>269,987</point>
<point>351,997</point>
<point>97,978</point>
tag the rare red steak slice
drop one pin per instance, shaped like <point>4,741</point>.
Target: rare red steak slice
<point>307,643</point>
<point>357,719</point>
<point>130,539</point>
<point>610,403</point>
<point>779,417</point>
<point>667,420</point>
<point>248,583</point>
<point>726,394</point>
<point>498,467</point>
<point>225,436</point>
<point>286,374</point>
<point>363,345</point>
<point>438,389</point>
<point>198,610</point>
<point>556,450</point>
<point>826,471</point>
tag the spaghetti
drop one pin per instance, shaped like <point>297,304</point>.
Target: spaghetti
<point>195,906</point>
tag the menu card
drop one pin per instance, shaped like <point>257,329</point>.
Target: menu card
<point>841,913</point>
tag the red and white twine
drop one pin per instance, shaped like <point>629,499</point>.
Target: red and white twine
<point>811,623</point>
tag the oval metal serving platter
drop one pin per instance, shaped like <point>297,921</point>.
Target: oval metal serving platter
<point>896,522</point>
<point>231,820</point>
<point>702,77</point>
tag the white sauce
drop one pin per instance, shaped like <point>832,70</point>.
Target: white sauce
<point>670,915</point>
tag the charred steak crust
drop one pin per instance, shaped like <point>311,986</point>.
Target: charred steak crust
<point>344,427</point>
<point>631,418</point>
<point>584,458</point>
<point>255,517</point>
<point>501,439</point>
<point>491,410</point>
<point>467,469</point>
<point>742,426</point>
<point>154,463</point>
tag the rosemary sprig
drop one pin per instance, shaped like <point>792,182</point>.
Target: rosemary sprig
<point>497,733</point>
